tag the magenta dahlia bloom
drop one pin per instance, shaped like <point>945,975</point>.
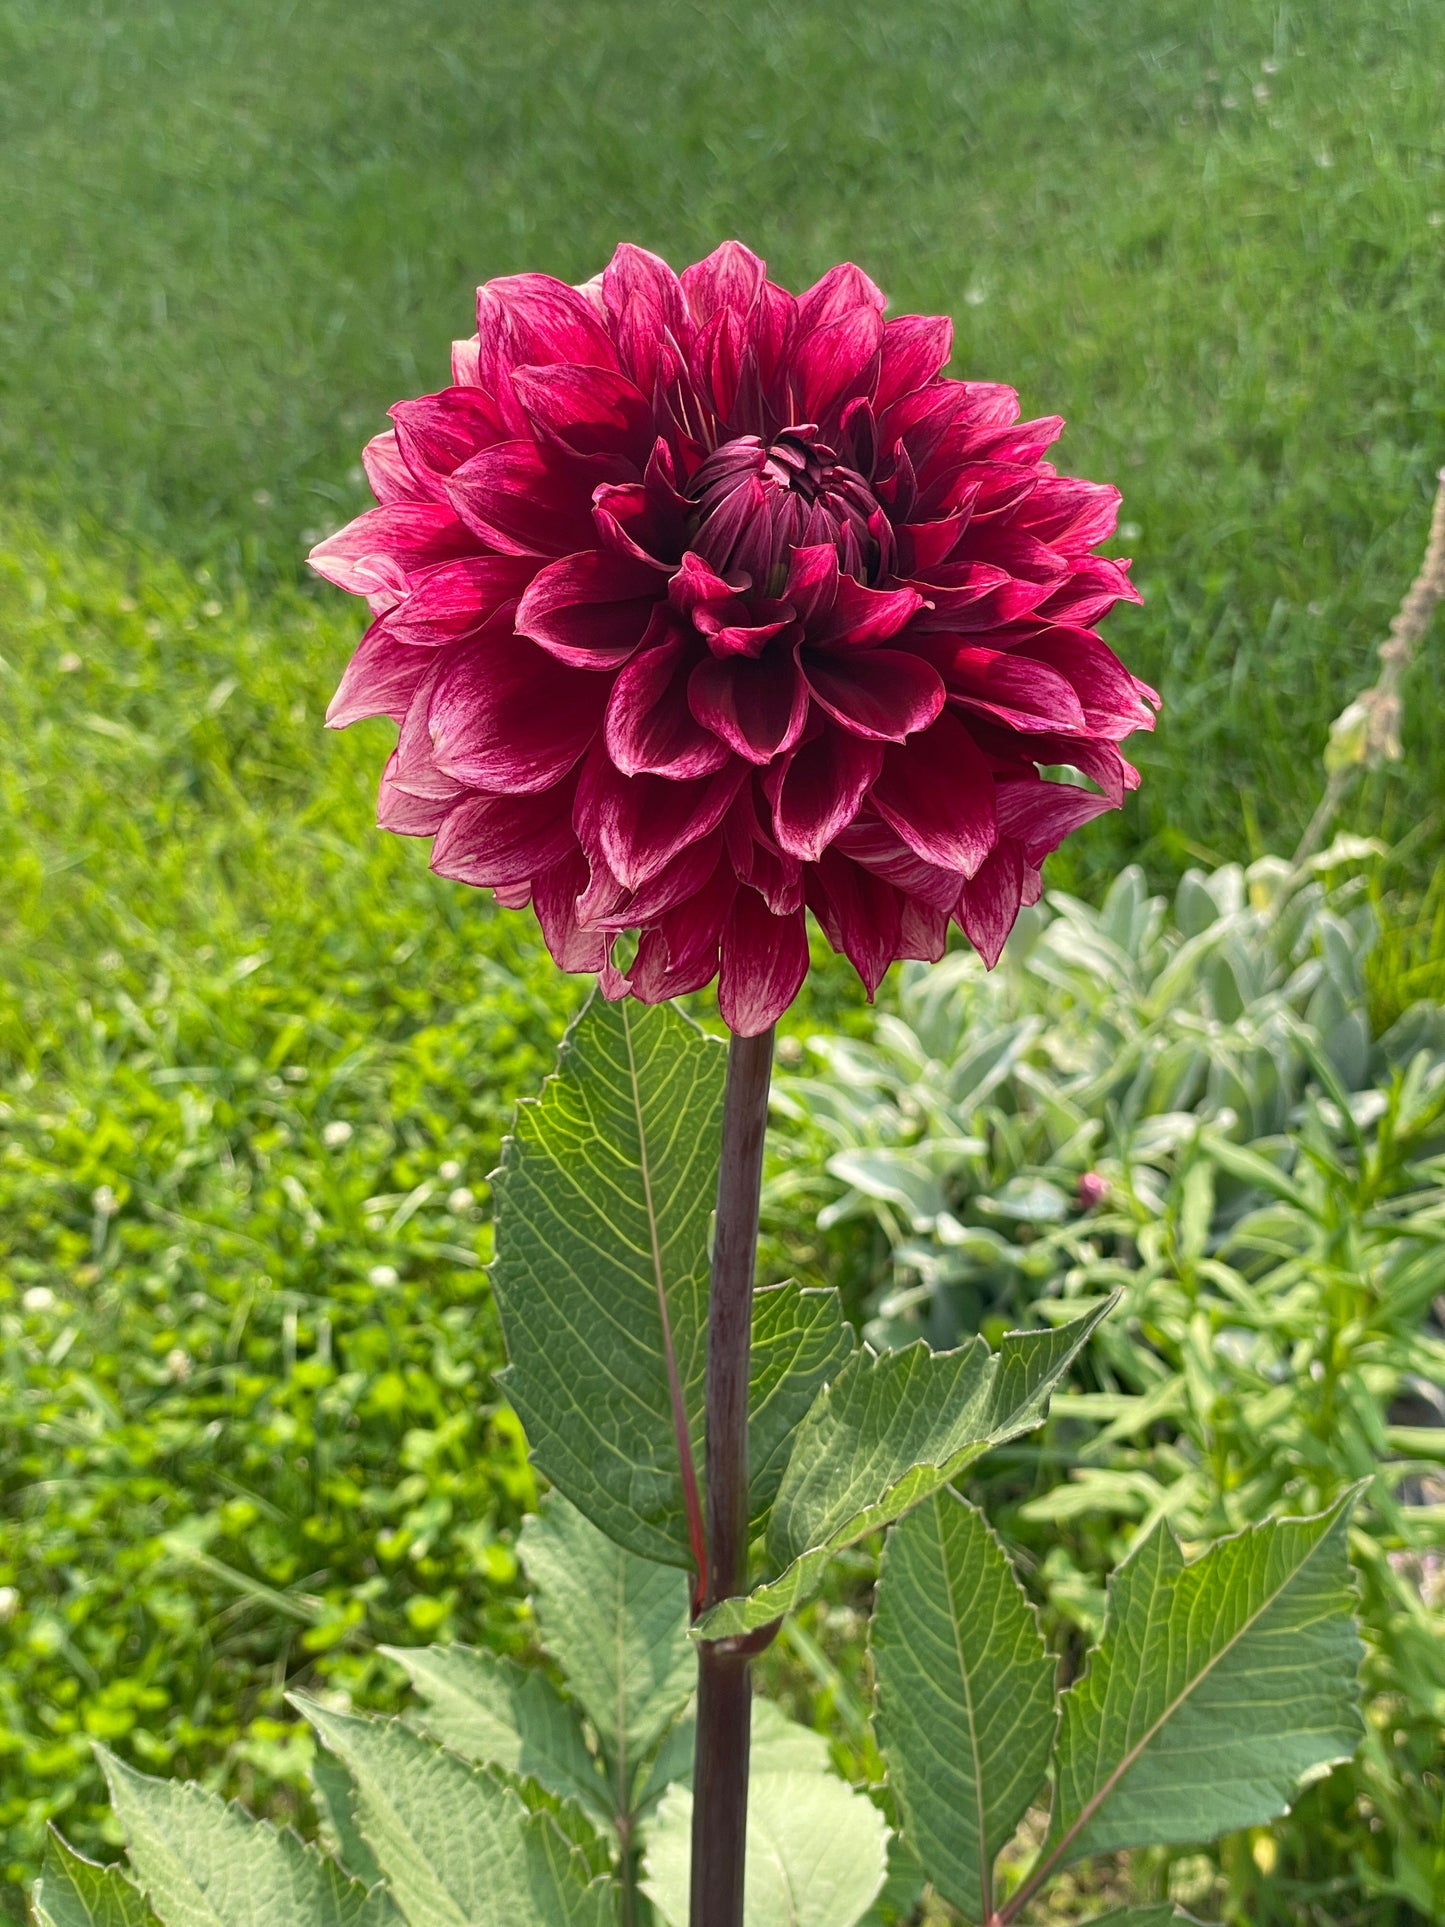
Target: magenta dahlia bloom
<point>700,604</point>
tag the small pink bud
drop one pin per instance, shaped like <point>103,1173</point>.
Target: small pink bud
<point>1092,1190</point>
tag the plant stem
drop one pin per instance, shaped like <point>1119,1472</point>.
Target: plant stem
<point>724,1686</point>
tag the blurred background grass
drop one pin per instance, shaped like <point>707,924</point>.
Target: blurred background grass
<point>1209,232</point>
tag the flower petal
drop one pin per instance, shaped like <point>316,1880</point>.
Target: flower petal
<point>405,814</point>
<point>845,290</point>
<point>590,610</point>
<point>1008,685</point>
<point>458,598</point>
<point>757,707</point>
<point>638,824</point>
<point>1114,702</point>
<point>818,789</point>
<point>679,952</point>
<point>373,555</point>
<point>915,348</point>
<point>884,693</point>
<point>936,791</point>
<point>505,716</point>
<point>1041,814</point>
<point>588,411</point>
<point>380,680</point>
<point>764,962</point>
<point>988,904</point>
<point>861,915</point>
<point>525,501</point>
<point>859,617</point>
<point>492,840</point>
<point>535,321</point>
<point>650,728</point>
<point>730,277</point>
<point>466,370</point>
<point>437,433</point>
<point>554,898</point>
<point>834,362</point>
<point>390,478</point>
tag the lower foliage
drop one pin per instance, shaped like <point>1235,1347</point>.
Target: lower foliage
<point>1218,1684</point>
<point>1189,1104</point>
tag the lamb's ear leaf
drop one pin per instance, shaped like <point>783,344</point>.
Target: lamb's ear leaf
<point>966,1706</point>
<point>499,1714</point>
<point>335,1794</point>
<point>456,1844</point>
<point>615,1624</point>
<point>1218,1688</point>
<point>603,1207</point>
<point>203,1863</point>
<point>889,1431</point>
<point>75,1892</point>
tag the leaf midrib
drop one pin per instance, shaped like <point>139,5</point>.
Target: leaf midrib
<point>985,1871</point>
<point>1131,1759</point>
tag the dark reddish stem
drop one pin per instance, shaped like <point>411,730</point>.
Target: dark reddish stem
<point>724,1683</point>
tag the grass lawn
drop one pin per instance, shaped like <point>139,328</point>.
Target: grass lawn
<point>1209,232</point>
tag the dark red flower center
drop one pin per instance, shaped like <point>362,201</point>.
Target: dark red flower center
<point>757,502</point>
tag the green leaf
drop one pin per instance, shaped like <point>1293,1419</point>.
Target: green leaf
<point>617,1626</point>
<point>603,1205</point>
<point>335,1793</point>
<point>604,1209</point>
<point>1217,1688</point>
<point>203,1863</point>
<point>817,1851</point>
<point>966,1708</point>
<point>891,1429</point>
<point>1166,1914</point>
<point>496,1713</point>
<point>457,1847</point>
<point>73,1892</point>
<point>801,1340</point>
<point>900,1897</point>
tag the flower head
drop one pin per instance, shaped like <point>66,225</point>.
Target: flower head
<point>699,604</point>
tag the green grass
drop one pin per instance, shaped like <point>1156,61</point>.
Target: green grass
<point>1210,232</point>
<point>1201,229</point>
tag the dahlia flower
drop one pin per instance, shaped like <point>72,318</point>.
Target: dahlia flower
<point>699,605</point>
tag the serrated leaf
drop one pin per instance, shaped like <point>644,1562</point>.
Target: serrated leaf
<point>617,1626</point>
<point>496,1713</point>
<point>335,1800</point>
<point>203,1863</point>
<point>816,1852</point>
<point>74,1892</point>
<point>603,1202</point>
<point>1217,1688</point>
<point>966,1708</point>
<point>801,1341</point>
<point>457,1846</point>
<point>890,1430</point>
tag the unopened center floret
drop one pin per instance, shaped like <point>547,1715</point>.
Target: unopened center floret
<point>757,502</point>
